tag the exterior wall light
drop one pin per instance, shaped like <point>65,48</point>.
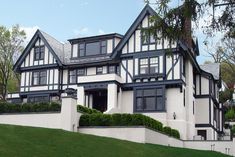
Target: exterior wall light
<point>174,115</point>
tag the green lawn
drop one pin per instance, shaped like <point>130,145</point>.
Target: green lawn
<point>17,141</point>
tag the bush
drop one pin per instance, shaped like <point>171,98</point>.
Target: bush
<point>233,130</point>
<point>126,120</point>
<point>175,133</point>
<point>6,107</point>
<point>167,130</point>
<point>87,110</point>
<point>230,114</point>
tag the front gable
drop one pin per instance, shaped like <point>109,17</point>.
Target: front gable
<point>133,40</point>
<point>28,58</point>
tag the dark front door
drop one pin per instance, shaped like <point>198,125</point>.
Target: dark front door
<point>100,100</point>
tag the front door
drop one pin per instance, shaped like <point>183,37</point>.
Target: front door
<point>100,100</point>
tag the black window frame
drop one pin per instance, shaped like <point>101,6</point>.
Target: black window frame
<point>40,52</point>
<point>83,72</point>
<point>40,78</point>
<point>148,39</point>
<point>139,93</point>
<point>114,71</point>
<point>34,97</point>
<point>148,64</point>
<point>99,72</point>
<point>102,48</point>
<point>72,75</point>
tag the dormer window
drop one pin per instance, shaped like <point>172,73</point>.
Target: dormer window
<point>92,48</point>
<point>39,53</point>
<point>149,65</point>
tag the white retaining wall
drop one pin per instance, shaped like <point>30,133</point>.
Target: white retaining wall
<point>45,120</point>
<point>145,135</point>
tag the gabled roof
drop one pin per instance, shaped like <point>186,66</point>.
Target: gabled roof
<point>212,68</point>
<point>54,46</point>
<point>146,11</point>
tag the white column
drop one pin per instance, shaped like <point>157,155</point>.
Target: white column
<point>69,116</point>
<point>112,96</point>
<point>80,96</point>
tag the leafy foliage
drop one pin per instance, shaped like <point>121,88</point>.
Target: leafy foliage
<point>126,120</point>
<point>86,110</point>
<point>6,107</point>
<point>10,43</point>
<point>225,95</point>
<point>230,114</point>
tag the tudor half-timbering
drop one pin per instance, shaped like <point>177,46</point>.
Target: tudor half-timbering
<point>126,74</point>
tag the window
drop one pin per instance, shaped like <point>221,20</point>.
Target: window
<point>148,38</point>
<point>81,72</point>
<point>72,76</point>
<point>92,48</point>
<point>103,47</point>
<point>39,77</point>
<point>81,50</point>
<point>99,70</point>
<point>112,69</point>
<point>39,53</point>
<point>149,100</point>
<point>33,99</point>
<point>149,65</point>
<point>144,66</point>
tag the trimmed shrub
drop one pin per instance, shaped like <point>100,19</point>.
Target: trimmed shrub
<point>175,133</point>
<point>6,107</point>
<point>126,120</point>
<point>167,130</point>
<point>87,110</point>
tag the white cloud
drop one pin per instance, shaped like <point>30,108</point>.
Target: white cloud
<point>84,31</point>
<point>30,31</point>
<point>101,32</point>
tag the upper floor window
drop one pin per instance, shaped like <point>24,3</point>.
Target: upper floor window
<point>39,53</point>
<point>72,76</point>
<point>149,65</point>
<point>92,48</point>
<point>99,70</point>
<point>148,38</point>
<point>39,77</point>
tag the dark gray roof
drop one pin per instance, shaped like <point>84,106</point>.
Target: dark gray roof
<point>212,68</point>
<point>57,46</point>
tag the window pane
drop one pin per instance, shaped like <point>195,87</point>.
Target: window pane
<point>143,69</point>
<point>118,70</point>
<point>152,39</point>
<point>72,79</point>
<point>150,103</point>
<point>111,69</point>
<point>81,72</point>
<point>149,92</point>
<point>93,48</point>
<point>35,78</point>
<point>139,104</point>
<point>153,69</point>
<point>154,60</point>
<point>143,61</point>
<point>99,70</point>
<point>103,50</point>
<point>72,72</point>
<point>160,105</point>
<point>103,43</point>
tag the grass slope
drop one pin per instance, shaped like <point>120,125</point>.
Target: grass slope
<point>18,141</point>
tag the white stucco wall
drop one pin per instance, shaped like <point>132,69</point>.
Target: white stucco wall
<point>202,111</point>
<point>45,120</point>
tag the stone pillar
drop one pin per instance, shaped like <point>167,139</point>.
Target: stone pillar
<point>69,116</point>
<point>112,96</point>
<point>81,96</point>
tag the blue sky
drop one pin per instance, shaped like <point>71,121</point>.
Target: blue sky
<point>72,18</point>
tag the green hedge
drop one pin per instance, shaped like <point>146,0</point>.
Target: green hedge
<point>126,120</point>
<point>87,110</point>
<point>233,130</point>
<point>6,107</point>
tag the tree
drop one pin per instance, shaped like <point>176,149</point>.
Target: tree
<point>171,22</point>
<point>10,42</point>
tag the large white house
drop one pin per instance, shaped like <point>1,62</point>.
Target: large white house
<point>126,74</point>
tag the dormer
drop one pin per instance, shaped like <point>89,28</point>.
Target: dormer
<point>93,46</point>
